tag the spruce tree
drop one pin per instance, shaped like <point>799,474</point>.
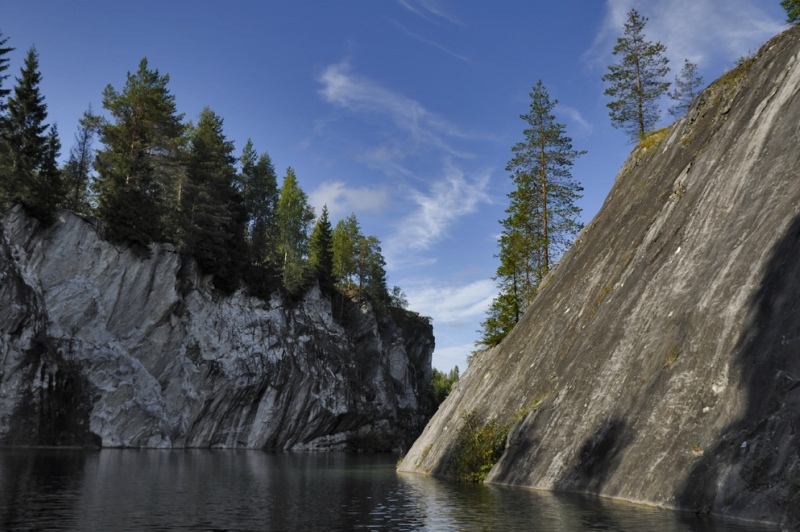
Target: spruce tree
<point>25,128</point>
<point>77,172</point>
<point>212,212</point>
<point>636,82</point>
<point>25,133</point>
<point>49,188</point>
<point>293,220</point>
<point>138,170</point>
<point>542,214</point>
<point>792,8</point>
<point>5,151</point>
<point>687,85</point>
<point>4,63</point>
<point>320,251</point>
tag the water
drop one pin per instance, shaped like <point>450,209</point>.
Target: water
<point>252,490</point>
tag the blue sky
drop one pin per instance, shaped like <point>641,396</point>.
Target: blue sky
<point>401,111</point>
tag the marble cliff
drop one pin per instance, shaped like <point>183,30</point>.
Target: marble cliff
<point>99,346</point>
<point>660,362</point>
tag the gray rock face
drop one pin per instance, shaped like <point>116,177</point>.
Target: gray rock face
<point>661,362</point>
<point>100,346</point>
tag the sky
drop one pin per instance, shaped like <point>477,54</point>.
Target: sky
<point>402,112</point>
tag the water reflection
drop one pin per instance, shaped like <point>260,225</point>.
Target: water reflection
<point>250,490</point>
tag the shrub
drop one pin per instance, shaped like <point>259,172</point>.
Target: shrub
<point>478,447</point>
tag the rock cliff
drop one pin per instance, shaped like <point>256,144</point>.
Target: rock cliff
<point>661,361</point>
<point>99,346</point>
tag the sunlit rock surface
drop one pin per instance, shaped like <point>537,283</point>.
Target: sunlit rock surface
<point>100,346</point>
<point>661,361</point>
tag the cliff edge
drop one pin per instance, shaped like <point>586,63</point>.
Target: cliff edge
<point>660,363</point>
<point>99,346</point>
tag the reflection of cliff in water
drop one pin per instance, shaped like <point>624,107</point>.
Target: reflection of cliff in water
<point>252,490</point>
<point>41,489</point>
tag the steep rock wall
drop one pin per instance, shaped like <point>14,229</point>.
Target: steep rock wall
<point>661,361</point>
<point>101,346</point>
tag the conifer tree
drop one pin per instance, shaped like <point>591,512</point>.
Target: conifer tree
<point>138,170</point>
<point>320,251</point>
<point>259,188</point>
<point>49,188</point>
<point>4,63</point>
<point>26,135</point>
<point>293,220</point>
<point>792,8</point>
<point>5,151</point>
<point>78,168</point>
<point>636,82</point>
<point>212,211</point>
<point>687,85</point>
<point>542,214</point>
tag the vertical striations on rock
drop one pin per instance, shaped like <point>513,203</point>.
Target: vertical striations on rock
<point>660,363</point>
<point>99,346</point>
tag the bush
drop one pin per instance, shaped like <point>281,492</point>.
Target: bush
<point>478,447</point>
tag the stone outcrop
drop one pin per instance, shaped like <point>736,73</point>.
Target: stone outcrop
<point>99,346</point>
<point>660,362</point>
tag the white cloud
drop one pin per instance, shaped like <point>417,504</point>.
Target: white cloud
<point>707,32</point>
<point>451,304</point>
<point>341,200</point>
<point>448,200</point>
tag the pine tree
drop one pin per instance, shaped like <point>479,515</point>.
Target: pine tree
<point>138,170</point>
<point>637,81</point>
<point>293,220</point>
<point>542,214</point>
<point>687,85</point>
<point>212,211</point>
<point>320,251</point>
<point>792,8</point>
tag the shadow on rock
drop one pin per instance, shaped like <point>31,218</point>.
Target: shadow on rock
<point>598,458</point>
<point>754,470</point>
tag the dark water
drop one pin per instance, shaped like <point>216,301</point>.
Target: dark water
<point>251,490</point>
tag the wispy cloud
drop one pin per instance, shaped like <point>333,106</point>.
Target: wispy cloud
<point>411,139</point>
<point>448,199</point>
<point>430,10</point>
<point>574,116</point>
<point>343,88</point>
<point>704,31</point>
<point>433,43</point>
<point>451,304</point>
<point>342,200</point>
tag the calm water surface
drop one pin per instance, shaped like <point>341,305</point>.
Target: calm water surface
<point>252,490</point>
